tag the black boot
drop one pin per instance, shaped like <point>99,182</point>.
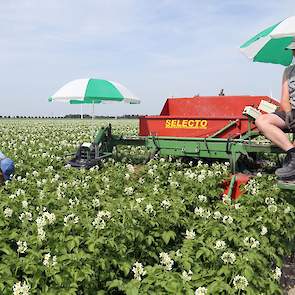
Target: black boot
<point>287,172</point>
<point>286,160</point>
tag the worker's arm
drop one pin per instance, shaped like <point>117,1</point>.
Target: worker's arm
<point>285,99</point>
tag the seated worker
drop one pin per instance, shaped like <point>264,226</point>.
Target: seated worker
<point>6,168</point>
<point>273,125</point>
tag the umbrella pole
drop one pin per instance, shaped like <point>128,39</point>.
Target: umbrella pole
<point>92,121</point>
<point>81,111</point>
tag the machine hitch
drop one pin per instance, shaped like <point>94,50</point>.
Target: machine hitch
<point>91,154</point>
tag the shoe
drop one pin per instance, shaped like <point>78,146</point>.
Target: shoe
<point>288,169</point>
<point>285,162</point>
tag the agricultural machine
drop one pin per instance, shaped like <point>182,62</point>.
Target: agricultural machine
<point>208,127</point>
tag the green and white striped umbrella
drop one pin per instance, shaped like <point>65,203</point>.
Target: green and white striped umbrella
<point>93,91</point>
<point>269,46</point>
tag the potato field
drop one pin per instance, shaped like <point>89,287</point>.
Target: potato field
<point>130,226</point>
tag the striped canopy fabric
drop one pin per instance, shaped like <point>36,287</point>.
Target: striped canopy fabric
<point>93,91</point>
<point>269,46</point>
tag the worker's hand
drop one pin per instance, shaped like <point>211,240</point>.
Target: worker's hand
<point>289,120</point>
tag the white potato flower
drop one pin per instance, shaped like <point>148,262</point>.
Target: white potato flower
<point>130,168</point>
<point>150,172</point>
<point>25,216</point>
<point>240,282</point>
<point>165,204</point>
<point>138,271</point>
<point>202,198</point>
<point>8,212</point>
<point>20,288</point>
<point>272,208</point>
<point>149,208</point>
<point>277,273</point>
<point>25,204</point>
<point>41,233</point>
<point>259,218</point>
<point>22,246</point>
<point>219,245</point>
<point>227,219</point>
<point>129,190</point>
<point>228,257</point>
<point>95,202</point>
<point>187,276</point>
<point>201,291</point>
<point>166,261</point>
<point>226,199</point>
<point>199,211</point>
<point>269,201</point>
<point>190,234</point>
<point>201,177</point>
<point>101,218</point>
<point>71,218</point>
<point>48,261</point>
<point>287,210</point>
<point>174,184</point>
<point>263,230</point>
<point>217,215</point>
<point>139,200</point>
<point>251,242</point>
<point>105,179</point>
<point>49,218</point>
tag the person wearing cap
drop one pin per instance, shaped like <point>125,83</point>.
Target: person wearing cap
<point>274,125</point>
<point>6,168</point>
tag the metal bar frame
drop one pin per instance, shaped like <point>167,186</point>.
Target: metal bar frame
<point>211,147</point>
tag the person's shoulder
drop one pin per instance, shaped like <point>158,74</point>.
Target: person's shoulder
<point>290,67</point>
<point>290,70</point>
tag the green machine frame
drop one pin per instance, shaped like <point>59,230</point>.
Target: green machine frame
<point>212,147</point>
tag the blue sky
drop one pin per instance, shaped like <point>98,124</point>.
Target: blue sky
<point>157,48</point>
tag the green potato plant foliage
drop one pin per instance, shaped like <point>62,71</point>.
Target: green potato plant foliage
<point>131,228</point>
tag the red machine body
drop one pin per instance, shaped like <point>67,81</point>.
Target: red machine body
<point>237,190</point>
<point>201,116</point>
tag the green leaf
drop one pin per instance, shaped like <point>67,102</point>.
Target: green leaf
<point>71,245</point>
<point>224,270</point>
<point>199,253</point>
<point>149,240</point>
<point>6,249</point>
<point>248,271</point>
<point>172,287</point>
<point>132,287</point>
<point>167,235</point>
<point>58,279</point>
<point>125,267</point>
<point>91,247</point>
<point>218,286</point>
<point>115,284</point>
